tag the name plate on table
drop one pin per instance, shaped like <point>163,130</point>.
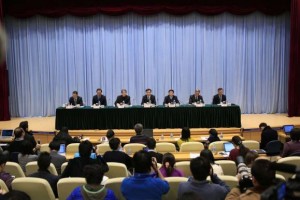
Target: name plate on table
<point>199,104</point>
<point>148,105</point>
<point>123,106</point>
<point>172,105</point>
<point>97,107</point>
<point>70,107</point>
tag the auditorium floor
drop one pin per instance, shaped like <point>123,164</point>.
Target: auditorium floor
<point>248,121</point>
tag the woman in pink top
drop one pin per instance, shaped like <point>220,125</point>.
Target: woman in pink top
<point>167,169</point>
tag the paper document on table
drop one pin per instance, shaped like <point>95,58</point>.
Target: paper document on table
<point>194,155</point>
<point>204,138</point>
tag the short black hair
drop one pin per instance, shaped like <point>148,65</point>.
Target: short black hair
<point>263,173</point>
<point>200,168</point>
<point>171,90</point>
<point>85,149</point>
<point>24,125</point>
<point>16,195</point>
<point>213,132</point>
<point>250,157</point>
<point>110,134</point>
<point>148,89</point>
<point>3,159</point>
<point>18,132</point>
<point>26,147</point>
<point>185,133</point>
<point>54,145</point>
<point>93,174</point>
<point>220,89</point>
<point>64,129</point>
<point>142,162</point>
<point>75,92</point>
<point>151,143</point>
<point>123,90</point>
<point>114,143</point>
<point>263,124</point>
<point>138,128</point>
<point>44,160</point>
<point>99,89</point>
<point>295,134</point>
<point>206,153</point>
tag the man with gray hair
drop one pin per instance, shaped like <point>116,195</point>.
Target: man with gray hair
<point>139,137</point>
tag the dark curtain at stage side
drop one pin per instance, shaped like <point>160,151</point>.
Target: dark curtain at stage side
<point>4,109</point>
<point>56,8</point>
<point>294,73</point>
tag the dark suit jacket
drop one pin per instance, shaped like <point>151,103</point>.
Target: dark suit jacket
<point>158,156</point>
<point>57,160</point>
<point>102,100</point>
<point>193,99</point>
<point>139,139</point>
<point>52,179</point>
<point>169,100</point>
<point>268,134</point>
<point>64,138</point>
<point>216,99</point>
<point>79,101</point>
<point>145,99</point>
<point>30,138</point>
<point>119,157</point>
<point>120,99</point>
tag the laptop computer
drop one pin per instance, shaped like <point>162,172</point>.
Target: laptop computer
<point>288,128</point>
<point>228,146</point>
<point>62,149</point>
<point>148,132</point>
<point>7,133</point>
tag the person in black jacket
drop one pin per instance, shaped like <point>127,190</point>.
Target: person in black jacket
<point>151,144</point>
<point>63,137</point>
<point>75,99</point>
<point>99,98</point>
<point>117,155</point>
<point>123,98</point>
<point>220,97</point>
<point>139,137</point>
<point>75,166</point>
<point>148,98</point>
<point>213,136</point>
<point>171,98</point>
<point>28,134</point>
<point>267,134</point>
<point>195,98</point>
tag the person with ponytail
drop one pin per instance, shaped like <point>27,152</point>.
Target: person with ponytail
<point>167,169</point>
<point>239,148</point>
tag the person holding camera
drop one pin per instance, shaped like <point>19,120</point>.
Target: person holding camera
<point>262,178</point>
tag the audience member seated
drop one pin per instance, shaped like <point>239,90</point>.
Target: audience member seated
<point>206,153</point>
<point>109,135</point>
<point>248,162</point>
<point>28,134</point>
<point>63,137</point>
<point>292,146</point>
<point>213,136</point>
<point>151,145</point>
<point>43,162</point>
<point>267,135</point>
<point>15,195</point>
<point>75,166</point>
<point>189,196</point>
<point>167,169</point>
<point>201,169</point>
<point>239,149</point>
<point>117,155</point>
<point>26,155</point>
<point>56,158</point>
<point>5,177</point>
<point>143,185</point>
<point>15,145</point>
<point>185,137</point>
<point>262,178</point>
<point>139,137</point>
<point>93,189</point>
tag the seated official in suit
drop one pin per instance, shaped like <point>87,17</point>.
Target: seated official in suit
<point>151,145</point>
<point>148,98</point>
<point>139,137</point>
<point>267,135</point>
<point>171,98</point>
<point>99,98</point>
<point>123,98</point>
<point>117,155</point>
<point>196,98</point>
<point>75,99</point>
<point>56,158</point>
<point>220,97</point>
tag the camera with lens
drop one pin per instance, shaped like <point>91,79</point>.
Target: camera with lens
<point>245,173</point>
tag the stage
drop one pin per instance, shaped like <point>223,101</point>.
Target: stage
<point>249,121</point>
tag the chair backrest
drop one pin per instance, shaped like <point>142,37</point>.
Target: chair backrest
<point>63,167</point>
<point>72,148</point>
<point>102,148</point>
<point>173,183</point>
<point>280,177</point>
<point>251,144</point>
<point>66,185</point>
<point>231,181</point>
<point>273,148</point>
<point>165,147</point>
<point>45,147</point>
<point>116,170</point>
<point>36,188</point>
<point>115,185</point>
<point>228,166</point>
<point>297,153</point>
<point>191,147</point>
<point>33,167</point>
<point>219,145</point>
<point>288,160</point>
<point>14,169</point>
<point>184,166</point>
<point>3,186</point>
<point>133,147</point>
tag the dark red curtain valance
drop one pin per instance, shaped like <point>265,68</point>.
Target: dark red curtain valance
<point>57,8</point>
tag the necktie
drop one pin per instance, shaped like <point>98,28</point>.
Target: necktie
<point>220,98</point>
<point>75,101</point>
<point>196,98</point>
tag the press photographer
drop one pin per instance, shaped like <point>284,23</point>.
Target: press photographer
<point>262,178</point>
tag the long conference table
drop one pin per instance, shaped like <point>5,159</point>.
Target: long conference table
<point>86,117</point>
